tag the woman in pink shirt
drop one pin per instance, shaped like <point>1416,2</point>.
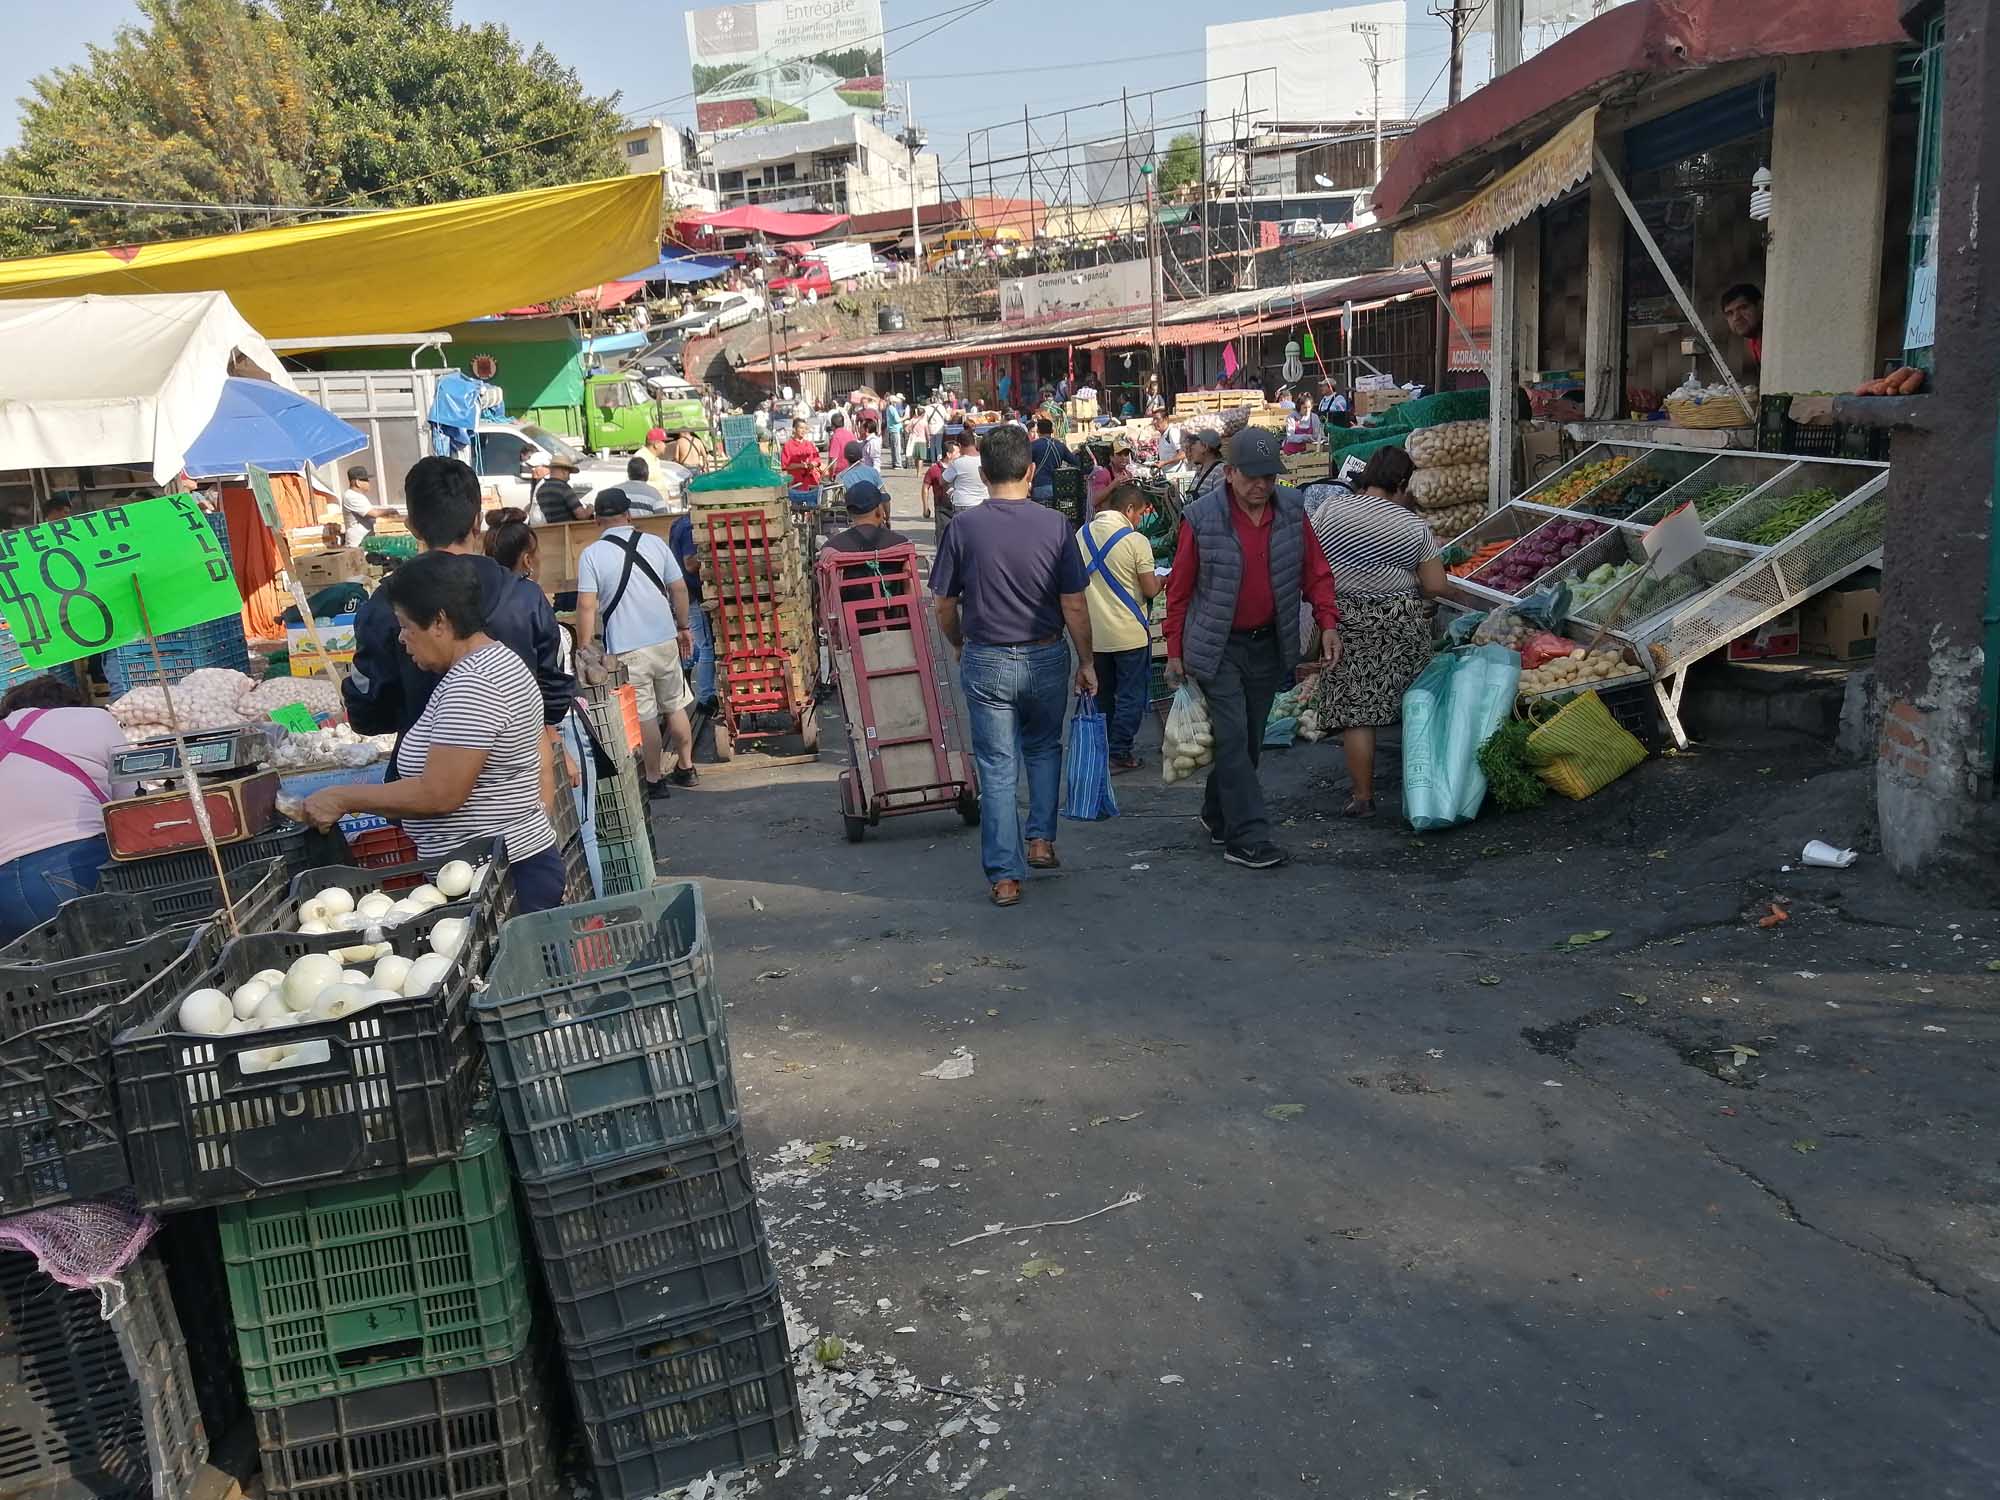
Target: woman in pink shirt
<point>55,758</point>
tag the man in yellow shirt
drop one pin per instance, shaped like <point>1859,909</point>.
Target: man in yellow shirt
<point>1119,565</point>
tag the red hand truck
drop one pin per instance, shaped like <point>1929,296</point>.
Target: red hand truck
<point>766,640</point>
<point>905,750</point>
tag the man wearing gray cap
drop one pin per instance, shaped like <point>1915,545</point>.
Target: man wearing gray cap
<point>1246,560</point>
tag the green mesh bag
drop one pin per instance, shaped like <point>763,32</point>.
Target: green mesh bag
<point>749,470</point>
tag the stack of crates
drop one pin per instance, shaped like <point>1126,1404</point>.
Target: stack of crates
<point>619,807</point>
<point>386,1334</point>
<point>759,598</point>
<point>610,1062</point>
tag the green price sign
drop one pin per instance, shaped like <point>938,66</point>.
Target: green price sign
<point>296,717</point>
<point>66,588</point>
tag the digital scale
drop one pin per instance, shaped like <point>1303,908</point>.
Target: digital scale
<point>211,752</point>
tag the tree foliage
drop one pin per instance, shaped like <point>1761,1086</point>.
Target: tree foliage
<point>323,102</point>
<point>1181,166</point>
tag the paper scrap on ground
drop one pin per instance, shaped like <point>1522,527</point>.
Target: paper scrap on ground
<point>958,1065</point>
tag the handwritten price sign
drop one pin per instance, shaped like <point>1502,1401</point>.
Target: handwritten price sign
<point>66,587</point>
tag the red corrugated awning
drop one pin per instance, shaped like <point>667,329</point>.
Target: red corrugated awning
<point>1641,41</point>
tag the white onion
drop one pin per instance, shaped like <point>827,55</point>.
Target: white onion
<point>336,901</point>
<point>349,921</point>
<point>271,1008</point>
<point>455,879</point>
<point>312,910</point>
<point>426,896</point>
<point>448,936</point>
<point>404,911</point>
<point>338,1000</point>
<point>313,929</point>
<point>375,905</point>
<point>390,972</point>
<point>275,978</point>
<point>425,973</point>
<point>248,995</point>
<point>206,1012</point>
<point>308,975</point>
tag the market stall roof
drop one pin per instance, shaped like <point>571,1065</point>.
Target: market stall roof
<point>609,294</point>
<point>750,219</point>
<point>1622,49</point>
<point>388,272</point>
<point>106,380</point>
<point>683,270</point>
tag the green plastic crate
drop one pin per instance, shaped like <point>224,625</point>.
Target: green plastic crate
<point>343,1289</point>
<point>626,867</point>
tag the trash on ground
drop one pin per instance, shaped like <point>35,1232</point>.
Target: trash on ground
<point>958,1065</point>
<point>1826,857</point>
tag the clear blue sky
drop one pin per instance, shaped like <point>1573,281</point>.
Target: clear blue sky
<point>978,72</point>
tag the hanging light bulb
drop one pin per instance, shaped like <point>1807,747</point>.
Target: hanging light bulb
<point>1294,371</point>
<point>1760,194</point>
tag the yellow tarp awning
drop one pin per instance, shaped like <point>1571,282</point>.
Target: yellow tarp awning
<point>1556,166</point>
<point>388,272</point>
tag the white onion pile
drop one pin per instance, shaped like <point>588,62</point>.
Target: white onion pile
<point>318,987</point>
<point>338,909</point>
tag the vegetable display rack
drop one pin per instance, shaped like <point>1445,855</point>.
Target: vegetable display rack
<point>766,645</point>
<point>905,751</point>
<point>1779,529</point>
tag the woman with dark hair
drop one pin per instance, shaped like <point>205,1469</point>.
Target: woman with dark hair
<point>55,753</point>
<point>476,764</point>
<point>1387,566</point>
<point>512,544</point>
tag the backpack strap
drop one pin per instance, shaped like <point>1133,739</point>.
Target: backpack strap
<point>629,545</point>
<point>1096,565</point>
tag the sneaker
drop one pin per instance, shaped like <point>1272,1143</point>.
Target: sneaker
<point>1214,833</point>
<point>684,776</point>
<point>658,791</point>
<point>1264,856</point>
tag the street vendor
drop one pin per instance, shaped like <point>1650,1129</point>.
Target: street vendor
<point>556,498</point>
<point>55,750</point>
<point>476,764</point>
<point>1743,311</point>
<point>1302,429</point>
<point>1201,451</point>
<point>1117,470</point>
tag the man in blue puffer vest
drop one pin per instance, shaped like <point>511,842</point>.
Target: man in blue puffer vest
<point>1246,559</point>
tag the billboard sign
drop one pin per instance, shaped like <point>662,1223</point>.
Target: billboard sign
<point>1059,293</point>
<point>776,62</point>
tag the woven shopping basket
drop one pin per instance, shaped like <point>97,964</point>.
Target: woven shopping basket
<point>1581,749</point>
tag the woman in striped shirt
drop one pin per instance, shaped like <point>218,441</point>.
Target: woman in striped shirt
<point>476,764</point>
<point>1386,565</point>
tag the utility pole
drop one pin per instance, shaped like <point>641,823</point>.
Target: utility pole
<point>1370,34</point>
<point>1201,153</point>
<point>1153,269</point>
<point>913,141</point>
<point>1455,18</point>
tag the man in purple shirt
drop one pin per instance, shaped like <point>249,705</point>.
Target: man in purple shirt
<point>1007,579</point>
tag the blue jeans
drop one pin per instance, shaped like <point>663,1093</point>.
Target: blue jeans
<point>934,445</point>
<point>538,882</point>
<point>1016,697</point>
<point>703,679</point>
<point>33,886</point>
<point>894,443</point>
<point>1123,678</point>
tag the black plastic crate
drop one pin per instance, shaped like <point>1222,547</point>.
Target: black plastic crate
<point>190,1248</point>
<point>485,1434</point>
<point>604,1031</point>
<point>193,868</point>
<point>487,906</point>
<point>658,1240</point>
<point>1635,710</point>
<point>105,921</point>
<point>664,1407</point>
<point>383,1090</point>
<point>60,1136</point>
<point>92,1408</point>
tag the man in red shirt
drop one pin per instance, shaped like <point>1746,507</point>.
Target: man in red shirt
<point>934,486</point>
<point>800,458</point>
<point>1246,560</point>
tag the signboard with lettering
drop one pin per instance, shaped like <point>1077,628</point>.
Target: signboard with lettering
<point>66,587</point>
<point>1093,289</point>
<point>780,62</point>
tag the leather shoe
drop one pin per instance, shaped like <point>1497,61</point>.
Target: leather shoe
<point>1042,855</point>
<point>1006,893</point>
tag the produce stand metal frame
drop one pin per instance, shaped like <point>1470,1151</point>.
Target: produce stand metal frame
<point>1765,582</point>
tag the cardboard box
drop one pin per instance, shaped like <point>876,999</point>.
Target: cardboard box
<point>1778,637</point>
<point>1373,403</point>
<point>336,633</point>
<point>1541,455</point>
<point>1841,623</point>
<point>322,570</point>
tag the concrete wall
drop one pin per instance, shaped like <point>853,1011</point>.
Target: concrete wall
<point>1934,782</point>
<point>1829,170</point>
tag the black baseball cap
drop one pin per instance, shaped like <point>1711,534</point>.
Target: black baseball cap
<point>864,496</point>
<point>1254,451</point>
<point>613,502</point>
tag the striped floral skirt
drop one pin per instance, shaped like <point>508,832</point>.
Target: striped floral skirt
<point>1384,644</point>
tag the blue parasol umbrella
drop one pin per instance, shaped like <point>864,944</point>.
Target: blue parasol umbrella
<point>259,423</point>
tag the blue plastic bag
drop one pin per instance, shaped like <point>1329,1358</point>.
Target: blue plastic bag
<point>1448,713</point>
<point>1087,765</point>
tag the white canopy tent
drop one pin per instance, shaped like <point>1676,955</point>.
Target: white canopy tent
<point>119,380</point>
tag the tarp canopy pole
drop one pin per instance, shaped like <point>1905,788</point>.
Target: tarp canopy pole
<point>1639,228</point>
